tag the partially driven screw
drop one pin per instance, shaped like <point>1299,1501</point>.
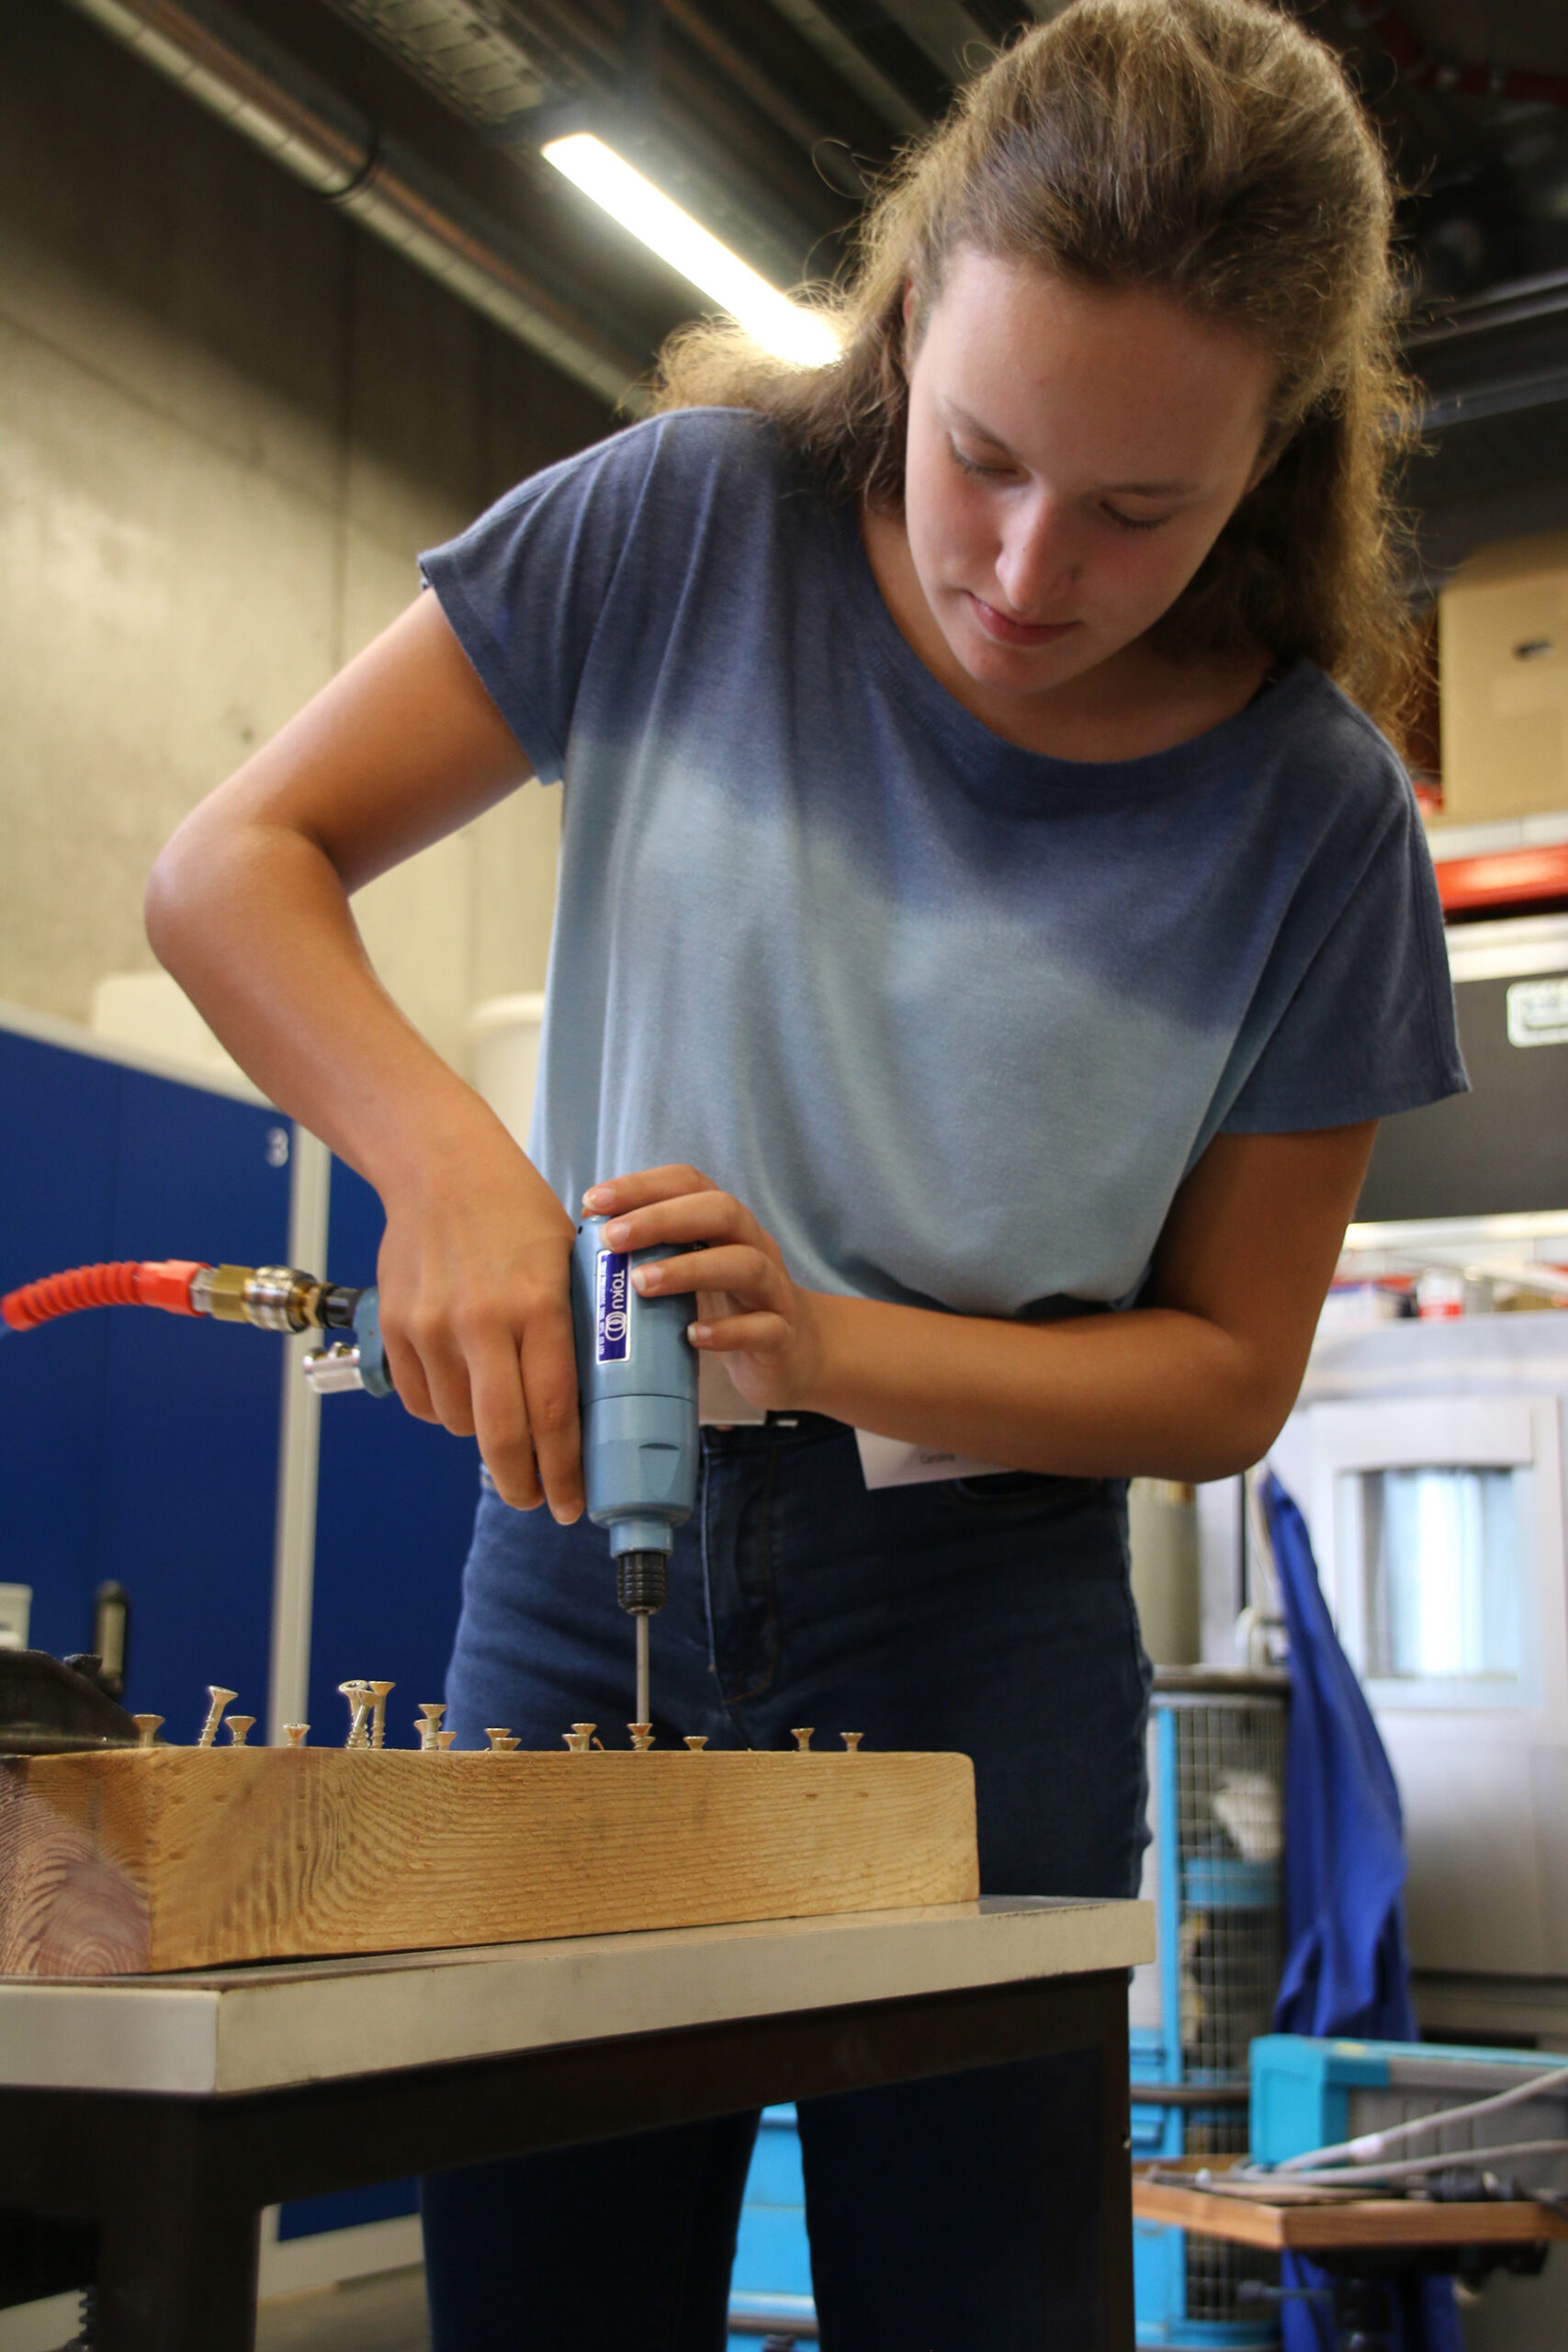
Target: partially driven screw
<point>214,1715</point>
<point>379,1723</point>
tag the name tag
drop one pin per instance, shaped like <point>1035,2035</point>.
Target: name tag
<point>888,1461</point>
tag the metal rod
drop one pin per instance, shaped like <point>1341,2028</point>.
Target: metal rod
<point>644,1711</point>
<point>228,65</point>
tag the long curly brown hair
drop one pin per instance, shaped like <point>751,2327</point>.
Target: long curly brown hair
<point>1212,149</point>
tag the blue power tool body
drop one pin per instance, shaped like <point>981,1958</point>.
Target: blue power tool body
<point>637,1384</point>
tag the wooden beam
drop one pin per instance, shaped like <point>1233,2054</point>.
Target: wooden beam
<point>135,1861</point>
<point>1362,2220</point>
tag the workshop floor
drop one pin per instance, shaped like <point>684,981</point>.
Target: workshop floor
<point>384,2314</point>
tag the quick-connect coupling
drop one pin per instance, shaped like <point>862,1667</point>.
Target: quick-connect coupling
<point>273,1298</point>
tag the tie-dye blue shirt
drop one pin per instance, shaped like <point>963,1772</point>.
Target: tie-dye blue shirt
<point>954,1019</point>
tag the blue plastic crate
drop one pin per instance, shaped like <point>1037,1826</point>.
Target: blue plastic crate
<point>771,2277</point>
<point>1311,2092</point>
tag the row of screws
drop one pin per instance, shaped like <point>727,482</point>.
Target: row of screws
<point>580,1737</point>
<point>367,1726</point>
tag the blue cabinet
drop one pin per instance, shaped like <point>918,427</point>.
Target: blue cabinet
<point>137,1446</point>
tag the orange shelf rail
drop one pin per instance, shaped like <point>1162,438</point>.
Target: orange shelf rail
<point>1509,880</point>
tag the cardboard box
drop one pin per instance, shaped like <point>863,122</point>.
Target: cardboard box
<point>1503,665</point>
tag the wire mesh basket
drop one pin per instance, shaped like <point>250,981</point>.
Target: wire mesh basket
<point>1217,1760</point>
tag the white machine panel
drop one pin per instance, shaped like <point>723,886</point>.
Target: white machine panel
<point>1428,1460</point>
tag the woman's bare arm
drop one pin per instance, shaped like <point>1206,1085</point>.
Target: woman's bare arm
<point>1193,1383</point>
<point>248,904</point>
<point>248,908</point>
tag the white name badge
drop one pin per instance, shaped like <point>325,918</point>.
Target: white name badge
<point>888,1461</point>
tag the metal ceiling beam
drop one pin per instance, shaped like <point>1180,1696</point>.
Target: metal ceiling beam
<point>848,58</point>
<point>230,67</point>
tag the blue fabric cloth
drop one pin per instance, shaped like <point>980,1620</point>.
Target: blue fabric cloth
<point>991,1617</point>
<point>1347,1970</point>
<point>952,1018</point>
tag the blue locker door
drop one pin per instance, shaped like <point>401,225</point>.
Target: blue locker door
<point>134,1445</point>
<point>189,1500</point>
<point>59,1119</point>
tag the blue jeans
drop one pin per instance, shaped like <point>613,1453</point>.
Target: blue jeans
<point>992,1616</point>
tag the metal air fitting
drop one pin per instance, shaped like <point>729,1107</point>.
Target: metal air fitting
<point>273,1298</point>
<point>332,1370</point>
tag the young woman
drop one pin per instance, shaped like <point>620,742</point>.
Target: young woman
<point>991,922</point>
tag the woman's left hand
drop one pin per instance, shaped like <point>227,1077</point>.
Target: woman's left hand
<point>746,1308</point>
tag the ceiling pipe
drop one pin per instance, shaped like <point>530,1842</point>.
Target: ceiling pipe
<point>343,156</point>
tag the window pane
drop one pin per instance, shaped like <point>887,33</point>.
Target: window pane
<point>1442,1553</point>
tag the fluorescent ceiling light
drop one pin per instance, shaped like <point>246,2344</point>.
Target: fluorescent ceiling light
<point>781,326</point>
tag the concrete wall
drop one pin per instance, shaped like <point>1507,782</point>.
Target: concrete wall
<point>230,420</point>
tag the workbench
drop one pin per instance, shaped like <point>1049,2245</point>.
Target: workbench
<point>171,2109</point>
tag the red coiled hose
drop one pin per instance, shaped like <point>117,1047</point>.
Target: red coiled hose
<point>163,1283</point>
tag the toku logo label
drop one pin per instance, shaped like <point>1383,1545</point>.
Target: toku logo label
<point>612,1308</point>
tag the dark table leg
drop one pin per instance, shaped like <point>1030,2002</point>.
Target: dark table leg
<point>181,2240</point>
<point>1115,2171</point>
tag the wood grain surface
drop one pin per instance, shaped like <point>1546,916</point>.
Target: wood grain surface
<point>1362,2220</point>
<point>138,1862</point>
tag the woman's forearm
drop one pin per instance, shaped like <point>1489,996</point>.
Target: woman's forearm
<point>1196,1385</point>
<point>248,905</point>
<point>1154,1392</point>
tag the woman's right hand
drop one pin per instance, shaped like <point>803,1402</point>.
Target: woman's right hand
<point>476,1310</point>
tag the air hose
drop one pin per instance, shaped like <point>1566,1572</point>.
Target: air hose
<point>273,1298</point>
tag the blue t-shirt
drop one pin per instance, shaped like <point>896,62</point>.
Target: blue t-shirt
<point>954,1019</point>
